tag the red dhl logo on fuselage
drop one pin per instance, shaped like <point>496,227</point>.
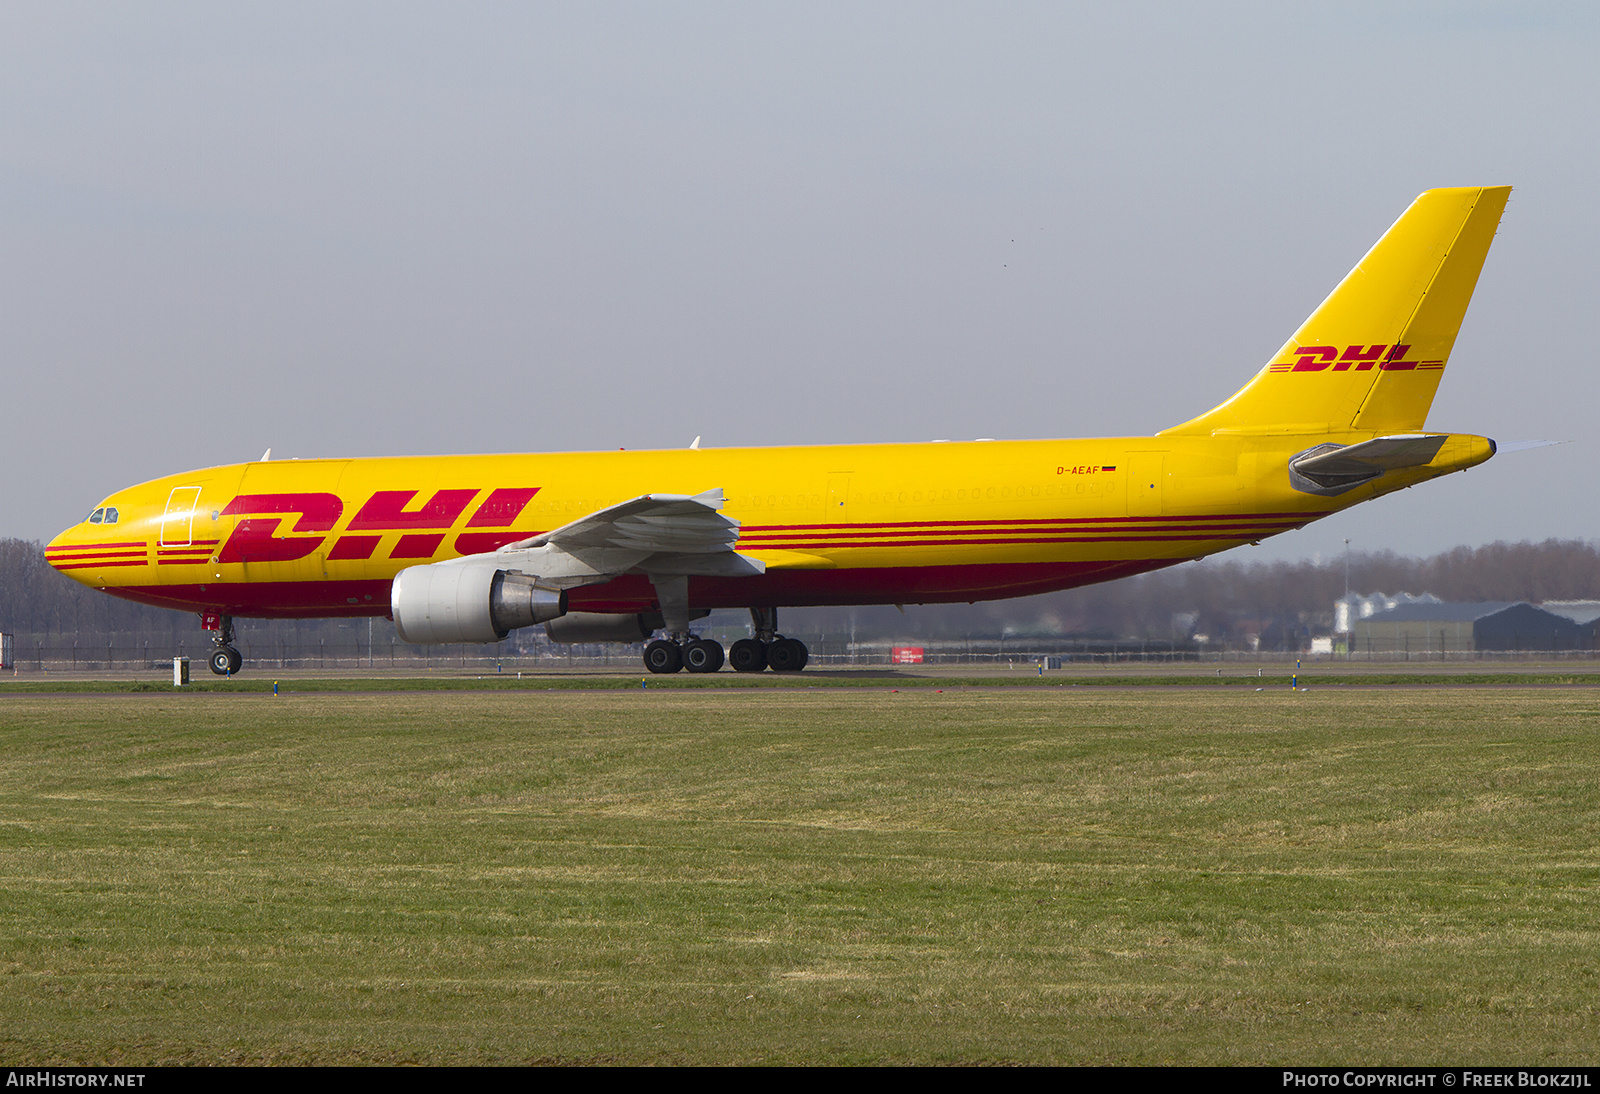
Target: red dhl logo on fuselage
<point>1354,358</point>
<point>255,538</point>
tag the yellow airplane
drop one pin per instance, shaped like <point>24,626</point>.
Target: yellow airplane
<point>613,546</point>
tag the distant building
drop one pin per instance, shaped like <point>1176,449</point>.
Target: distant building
<point>1355,606</point>
<point>1582,612</point>
<point>1425,628</point>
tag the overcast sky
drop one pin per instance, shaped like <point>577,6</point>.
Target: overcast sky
<point>392,228</point>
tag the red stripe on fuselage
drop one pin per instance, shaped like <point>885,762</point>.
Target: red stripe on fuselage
<point>634,593</point>
<point>1063,535</point>
<point>1034,521</point>
<point>806,545</point>
<point>80,556</point>
<point>92,565</point>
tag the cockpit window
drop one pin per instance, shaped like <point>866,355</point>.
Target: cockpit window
<point>106,514</point>
<point>97,516</point>
<point>111,515</point>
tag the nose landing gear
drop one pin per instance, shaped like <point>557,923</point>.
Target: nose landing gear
<point>225,660</point>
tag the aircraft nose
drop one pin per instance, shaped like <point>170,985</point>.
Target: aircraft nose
<point>64,540</point>
<point>87,547</point>
<point>60,552</point>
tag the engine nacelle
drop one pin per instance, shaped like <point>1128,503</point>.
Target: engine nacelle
<point>470,602</point>
<point>608,626</point>
<point>602,627</point>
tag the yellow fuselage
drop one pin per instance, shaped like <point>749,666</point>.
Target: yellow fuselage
<point>848,524</point>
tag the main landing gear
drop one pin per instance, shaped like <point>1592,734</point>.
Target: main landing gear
<point>766,650</point>
<point>779,655</point>
<point>225,660</point>
<point>696,655</point>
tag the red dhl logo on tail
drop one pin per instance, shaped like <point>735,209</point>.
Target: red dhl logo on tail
<point>256,538</point>
<point>1354,358</point>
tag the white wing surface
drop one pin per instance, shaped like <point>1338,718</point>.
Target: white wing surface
<point>651,522</point>
<point>656,534</point>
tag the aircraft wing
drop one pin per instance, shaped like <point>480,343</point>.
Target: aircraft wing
<point>665,534</point>
<point>651,522</point>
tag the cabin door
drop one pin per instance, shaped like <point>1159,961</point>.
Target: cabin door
<point>177,523</point>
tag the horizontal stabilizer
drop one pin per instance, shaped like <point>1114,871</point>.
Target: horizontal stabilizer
<point>1335,468</point>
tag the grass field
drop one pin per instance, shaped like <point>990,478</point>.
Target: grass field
<point>1051,875</point>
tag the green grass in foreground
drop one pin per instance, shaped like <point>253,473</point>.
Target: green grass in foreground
<point>1063,875</point>
<point>1116,676</point>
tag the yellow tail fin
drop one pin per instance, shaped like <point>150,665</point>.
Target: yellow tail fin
<point>1370,357</point>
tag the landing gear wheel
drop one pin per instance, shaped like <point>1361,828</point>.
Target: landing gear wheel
<point>226,661</point>
<point>747,655</point>
<point>662,656</point>
<point>703,655</point>
<point>787,655</point>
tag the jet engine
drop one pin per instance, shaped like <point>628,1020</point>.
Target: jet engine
<point>454,602</point>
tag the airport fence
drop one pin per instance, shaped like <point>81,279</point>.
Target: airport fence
<point>94,657</point>
<point>30,656</point>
